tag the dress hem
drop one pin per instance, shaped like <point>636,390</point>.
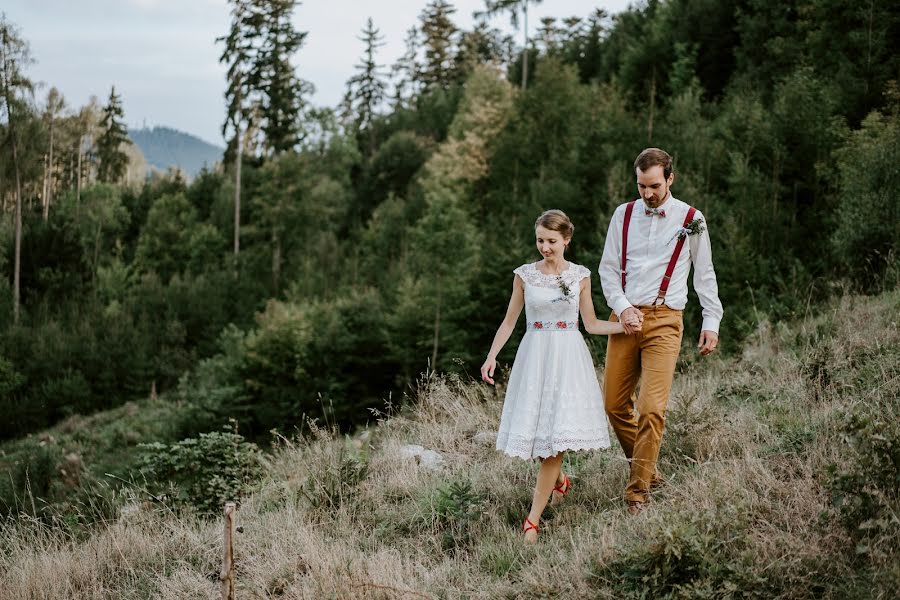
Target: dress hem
<point>553,452</point>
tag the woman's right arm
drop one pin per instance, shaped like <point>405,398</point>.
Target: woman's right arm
<point>516,302</point>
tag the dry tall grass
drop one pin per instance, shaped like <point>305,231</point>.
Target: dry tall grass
<point>746,511</point>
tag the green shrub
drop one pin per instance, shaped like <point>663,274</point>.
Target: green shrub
<point>29,478</point>
<point>866,489</point>
<point>204,472</point>
<point>689,556</point>
<point>335,475</point>
<point>456,507</point>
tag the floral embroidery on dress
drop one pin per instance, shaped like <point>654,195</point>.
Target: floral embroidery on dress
<point>553,325</point>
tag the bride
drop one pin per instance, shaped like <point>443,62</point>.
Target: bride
<point>553,400</point>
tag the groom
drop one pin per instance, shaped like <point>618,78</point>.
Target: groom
<point>650,246</point>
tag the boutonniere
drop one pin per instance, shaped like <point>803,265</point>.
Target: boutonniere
<point>564,288</point>
<point>695,227</point>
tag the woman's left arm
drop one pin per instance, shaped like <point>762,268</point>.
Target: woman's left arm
<point>591,323</point>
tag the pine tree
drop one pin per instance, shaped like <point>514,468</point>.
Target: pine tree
<point>367,87</point>
<point>263,91</point>
<point>264,95</point>
<point>285,92</point>
<point>406,70</point>
<point>113,160</point>
<point>55,105</point>
<point>481,46</point>
<point>439,33</point>
<point>15,55</point>
<point>494,7</point>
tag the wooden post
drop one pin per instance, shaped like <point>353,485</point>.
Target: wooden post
<point>226,577</point>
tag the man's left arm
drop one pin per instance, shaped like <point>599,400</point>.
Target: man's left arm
<point>707,288</point>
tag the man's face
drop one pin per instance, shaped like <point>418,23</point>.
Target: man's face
<point>653,186</point>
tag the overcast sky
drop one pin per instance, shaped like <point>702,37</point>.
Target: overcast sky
<point>163,59</point>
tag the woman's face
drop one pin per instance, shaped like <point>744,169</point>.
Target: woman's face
<point>551,244</point>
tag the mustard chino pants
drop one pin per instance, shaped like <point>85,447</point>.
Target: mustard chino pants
<point>651,355</point>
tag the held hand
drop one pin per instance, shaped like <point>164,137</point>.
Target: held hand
<point>487,370</point>
<point>708,342</point>
<point>631,318</point>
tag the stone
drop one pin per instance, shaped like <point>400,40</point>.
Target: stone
<point>427,459</point>
<point>485,438</point>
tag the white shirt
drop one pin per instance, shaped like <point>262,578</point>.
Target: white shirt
<point>651,241</point>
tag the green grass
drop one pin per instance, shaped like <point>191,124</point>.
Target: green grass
<point>62,465</point>
<point>781,483</point>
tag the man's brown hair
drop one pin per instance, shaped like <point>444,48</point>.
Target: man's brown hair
<point>651,157</point>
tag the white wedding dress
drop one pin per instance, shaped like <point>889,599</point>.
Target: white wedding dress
<point>553,400</point>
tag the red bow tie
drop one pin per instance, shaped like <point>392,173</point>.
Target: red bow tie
<point>654,211</point>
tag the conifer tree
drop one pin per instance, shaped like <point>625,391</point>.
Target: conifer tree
<point>113,160</point>
<point>406,70</point>
<point>495,7</point>
<point>263,91</point>
<point>367,87</point>
<point>439,35</point>
<point>55,105</point>
<point>15,55</point>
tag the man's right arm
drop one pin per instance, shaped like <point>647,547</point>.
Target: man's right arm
<point>611,269</point>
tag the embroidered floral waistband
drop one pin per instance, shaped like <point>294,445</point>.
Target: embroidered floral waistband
<point>552,325</point>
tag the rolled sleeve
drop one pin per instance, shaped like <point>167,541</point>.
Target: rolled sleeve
<point>705,283</point>
<point>611,265</point>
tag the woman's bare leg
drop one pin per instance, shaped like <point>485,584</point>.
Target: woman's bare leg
<point>547,479</point>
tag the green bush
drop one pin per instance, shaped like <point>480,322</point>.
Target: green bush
<point>334,478</point>
<point>28,480</point>
<point>456,507</point>
<point>687,556</point>
<point>866,489</point>
<point>202,472</point>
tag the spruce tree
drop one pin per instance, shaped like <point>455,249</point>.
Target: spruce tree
<point>15,55</point>
<point>494,7</point>
<point>263,91</point>
<point>439,33</point>
<point>406,70</point>
<point>367,87</point>
<point>56,104</point>
<point>285,92</point>
<point>113,160</point>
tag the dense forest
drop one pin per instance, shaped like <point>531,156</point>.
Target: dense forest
<point>338,252</point>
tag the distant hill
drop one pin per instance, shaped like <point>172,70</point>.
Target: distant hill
<point>164,147</point>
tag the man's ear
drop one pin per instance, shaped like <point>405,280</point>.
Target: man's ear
<point>671,179</point>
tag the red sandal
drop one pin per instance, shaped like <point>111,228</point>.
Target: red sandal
<point>562,489</point>
<point>528,526</point>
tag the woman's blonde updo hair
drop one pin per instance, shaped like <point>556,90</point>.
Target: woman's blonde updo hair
<point>556,220</point>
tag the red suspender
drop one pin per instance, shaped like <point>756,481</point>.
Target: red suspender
<point>664,286</point>
<point>629,208</point>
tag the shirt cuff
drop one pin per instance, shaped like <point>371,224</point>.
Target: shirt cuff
<point>620,305</point>
<point>711,324</point>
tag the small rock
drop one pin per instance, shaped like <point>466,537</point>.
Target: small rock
<point>485,438</point>
<point>427,459</point>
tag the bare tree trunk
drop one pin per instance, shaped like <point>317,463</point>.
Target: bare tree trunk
<point>44,178</point>
<point>652,107</point>
<point>18,251</point>
<point>237,198</point>
<point>276,260</point>
<point>78,176</point>
<point>437,327</point>
<point>525,50</point>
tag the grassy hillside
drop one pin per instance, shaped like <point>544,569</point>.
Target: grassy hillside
<point>783,467</point>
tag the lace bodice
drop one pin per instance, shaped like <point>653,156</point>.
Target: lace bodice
<point>547,306</point>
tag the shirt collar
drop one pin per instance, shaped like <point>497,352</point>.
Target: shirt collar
<point>667,205</point>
